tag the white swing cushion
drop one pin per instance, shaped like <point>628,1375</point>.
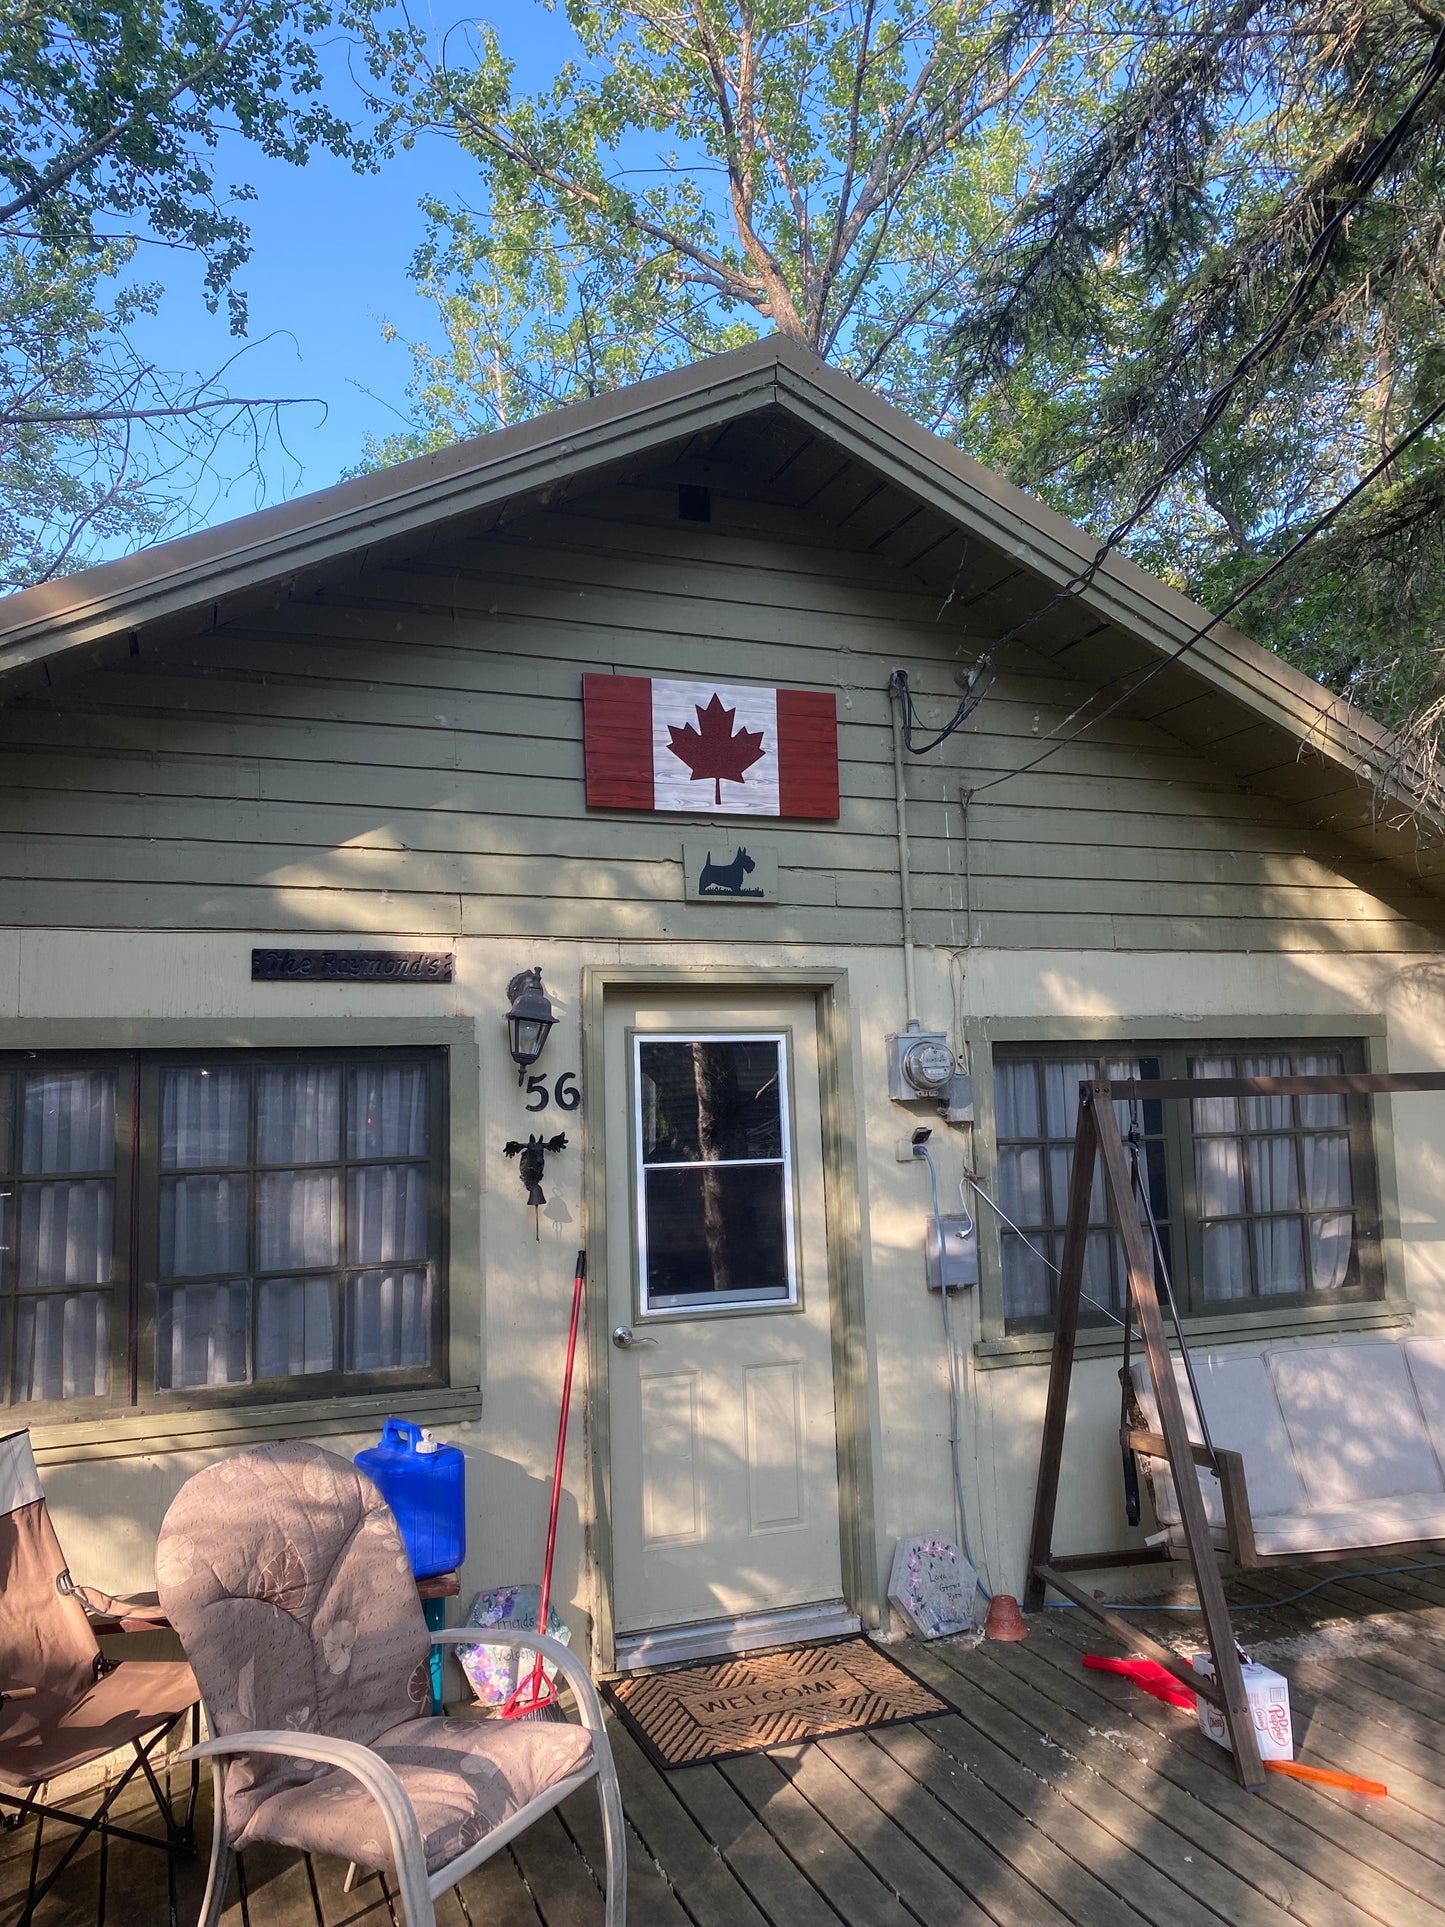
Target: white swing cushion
<point>1426,1360</point>
<point>1354,1424</point>
<point>1244,1417</point>
<point>1342,1444</point>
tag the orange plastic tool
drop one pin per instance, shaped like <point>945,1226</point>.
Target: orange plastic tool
<point>1322,1776</point>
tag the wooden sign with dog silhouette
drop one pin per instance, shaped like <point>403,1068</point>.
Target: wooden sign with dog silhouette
<point>719,870</point>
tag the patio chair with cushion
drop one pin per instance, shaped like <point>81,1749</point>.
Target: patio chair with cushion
<point>284,1573</point>
<point>63,1705</point>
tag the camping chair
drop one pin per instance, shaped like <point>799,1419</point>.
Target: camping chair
<point>63,1704</point>
<point>284,1573</point>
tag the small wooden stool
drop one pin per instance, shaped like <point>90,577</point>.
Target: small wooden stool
<point>434,1591</point>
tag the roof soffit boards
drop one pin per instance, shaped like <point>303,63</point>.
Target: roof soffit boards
<point>1228,696</point>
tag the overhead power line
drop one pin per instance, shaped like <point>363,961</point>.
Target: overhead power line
<point>1360,182</point>
<point>1196,636</point>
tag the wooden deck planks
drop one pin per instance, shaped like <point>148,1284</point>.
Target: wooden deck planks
<point>1052,1798</point>
<point>1344,1849</point>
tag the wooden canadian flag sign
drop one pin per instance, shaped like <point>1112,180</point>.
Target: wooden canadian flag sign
<point>710,748</point>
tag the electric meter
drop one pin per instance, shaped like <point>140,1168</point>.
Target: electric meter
<point>928,1067</point>
<point>920,1064</point>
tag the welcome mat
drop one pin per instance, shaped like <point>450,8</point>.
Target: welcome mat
<point>745,1704</point>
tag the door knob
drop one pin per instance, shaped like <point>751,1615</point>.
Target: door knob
<point>624,1338</point>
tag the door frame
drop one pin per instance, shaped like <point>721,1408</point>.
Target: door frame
<point>842,1218</point>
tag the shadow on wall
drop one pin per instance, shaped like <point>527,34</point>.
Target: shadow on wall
<point>107,1514</point>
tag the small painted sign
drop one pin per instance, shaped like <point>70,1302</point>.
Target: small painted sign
<point>719,870</point>
<point>711,749</point>
<point>933,1586</point>
<point>351,966</point>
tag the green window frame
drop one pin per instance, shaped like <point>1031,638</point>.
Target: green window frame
<point>1262,1204</point>
<point>321,1246</point>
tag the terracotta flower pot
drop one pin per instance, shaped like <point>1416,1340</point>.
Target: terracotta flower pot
<point>1004,1621</point>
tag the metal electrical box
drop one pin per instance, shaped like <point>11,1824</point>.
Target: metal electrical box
<point>959,1269</point>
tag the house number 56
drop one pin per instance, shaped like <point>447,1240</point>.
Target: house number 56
<point>565,1093</point>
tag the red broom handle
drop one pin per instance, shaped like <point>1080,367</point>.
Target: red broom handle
<point>539,1689</point>
<point>545,1601</point>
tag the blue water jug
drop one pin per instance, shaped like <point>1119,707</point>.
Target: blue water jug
<point>424,1483</point>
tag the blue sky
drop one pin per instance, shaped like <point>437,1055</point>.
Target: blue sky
<point>331,249</point>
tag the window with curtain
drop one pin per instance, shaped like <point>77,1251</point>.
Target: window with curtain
<point>224,1225</point>
<point>1260,1202</point>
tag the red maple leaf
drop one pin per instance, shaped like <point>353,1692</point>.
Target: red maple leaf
<point>714,748</point>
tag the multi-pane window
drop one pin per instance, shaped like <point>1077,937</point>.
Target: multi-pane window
<point>1036,1103</point>
<point>715,1200</point>
<point>58,1244</point>
<point>1260,1201</point>
<point>286,1231</point>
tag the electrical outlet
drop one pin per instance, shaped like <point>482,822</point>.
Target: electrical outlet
<point>904,1152</point>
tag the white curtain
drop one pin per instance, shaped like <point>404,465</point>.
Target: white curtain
<point>204,1329</point>
<point>388,1320</point>
<point>298,1220</point>
<point>203,1225</point>
<point>386,1213</point>
<point>62,1339</point>
<point>298,1113</point>
<point>1061,1096</point>
<point>1274,1189</point>
<point>69,1122</point>
<point>386,1111</point>
<point>201,1334</point>
<point>295,1326</point>
<point>1219,1185</point>
<point>1016,1100</point>
<point>62,1345</point>
<point>1026,1278</point>
<point>66,1232</point>
<point>1327,1177</point>
<point>1021,1183</point>
<point>203,1116</point>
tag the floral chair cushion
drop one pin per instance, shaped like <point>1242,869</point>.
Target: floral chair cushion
<point>283,1572</point>
<point>463,1778</point>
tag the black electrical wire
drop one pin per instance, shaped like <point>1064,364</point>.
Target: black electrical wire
<point>1362,179</point>
<point>1196,636</point>
<point>979,683</point>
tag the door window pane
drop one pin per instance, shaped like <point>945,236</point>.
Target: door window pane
<point>713,1098</point>
<point>715,1230</point>
<point>715,1203</point>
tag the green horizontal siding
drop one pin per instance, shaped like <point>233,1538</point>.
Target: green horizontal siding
<point>403,754</point>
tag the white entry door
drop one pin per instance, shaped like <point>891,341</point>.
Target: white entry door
<point>724,1471</point>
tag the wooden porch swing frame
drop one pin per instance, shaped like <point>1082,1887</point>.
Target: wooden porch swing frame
<point>1098,1139</point>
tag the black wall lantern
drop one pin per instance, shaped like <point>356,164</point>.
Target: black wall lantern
<point>530,1019</point>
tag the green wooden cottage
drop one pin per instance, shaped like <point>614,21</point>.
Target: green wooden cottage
<point>287,805</point>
